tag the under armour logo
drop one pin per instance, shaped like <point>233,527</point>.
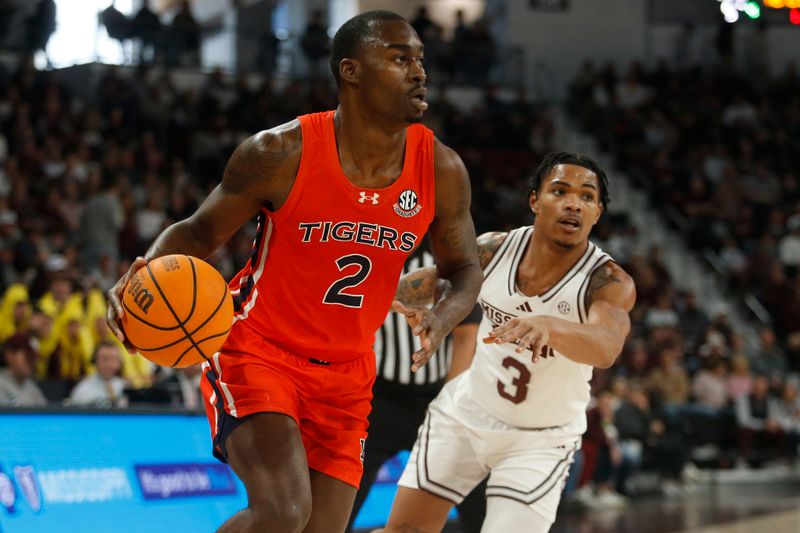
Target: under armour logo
<point>372,197</point>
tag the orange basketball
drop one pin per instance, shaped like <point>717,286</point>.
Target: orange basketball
<point>178,311</point>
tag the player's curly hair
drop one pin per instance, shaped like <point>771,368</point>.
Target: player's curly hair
<point>570,158</point>
<point>352,34</point>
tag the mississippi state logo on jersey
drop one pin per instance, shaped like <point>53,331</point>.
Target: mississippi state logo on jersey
<point>407,204</point>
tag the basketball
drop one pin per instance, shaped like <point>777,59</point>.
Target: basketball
<point>178,311</point>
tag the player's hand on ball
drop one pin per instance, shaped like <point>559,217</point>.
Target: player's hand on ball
<point>530,333</point>
<point>115,309</point>
<point>426,325</point>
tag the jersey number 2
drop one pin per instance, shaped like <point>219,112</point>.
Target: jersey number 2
<point>520,382</point>
<point>334,295</point>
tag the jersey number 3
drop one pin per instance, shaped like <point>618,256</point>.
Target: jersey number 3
<point>334,294</point>
<point>520,383</point>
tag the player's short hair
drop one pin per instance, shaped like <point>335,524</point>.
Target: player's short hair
<point>553,159</point>
<point>353,33</point>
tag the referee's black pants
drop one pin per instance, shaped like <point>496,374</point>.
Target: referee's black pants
<point>397,413</point>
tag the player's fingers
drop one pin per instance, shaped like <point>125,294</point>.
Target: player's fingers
<point>114,302</point>
<point>398,306</point>
<point>420,358</point>
<point>513,334</point>
<point>526,341</point>
<point>536,347</point>
<point>425,318</point>
<point>138,263</point>
<point>500,330</point>
<point>113,325</point>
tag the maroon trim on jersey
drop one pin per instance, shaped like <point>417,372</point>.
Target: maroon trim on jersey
<point>583,304</point>
<point>498,256</point>
<point>512,272</point>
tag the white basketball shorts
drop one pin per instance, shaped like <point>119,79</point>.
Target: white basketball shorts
<point>459,444</point>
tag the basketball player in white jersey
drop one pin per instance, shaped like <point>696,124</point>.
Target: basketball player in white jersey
<point>554,306</point>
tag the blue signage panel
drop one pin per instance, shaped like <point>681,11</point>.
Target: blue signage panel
<point>113,473</point>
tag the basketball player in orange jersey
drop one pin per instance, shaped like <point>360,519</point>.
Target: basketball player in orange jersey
<point>342,198</point>
<point>554,307</point>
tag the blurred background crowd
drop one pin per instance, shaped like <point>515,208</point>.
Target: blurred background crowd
<point>93,166</point>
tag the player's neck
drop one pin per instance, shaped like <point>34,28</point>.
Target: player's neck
<point>547,259</point>
<point>368,149</point>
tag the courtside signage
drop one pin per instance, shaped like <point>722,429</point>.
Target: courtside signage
<point>159,482</point>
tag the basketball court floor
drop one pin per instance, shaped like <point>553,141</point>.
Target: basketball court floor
<point>761,507</point>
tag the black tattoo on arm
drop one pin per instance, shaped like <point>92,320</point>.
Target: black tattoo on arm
<point>488,244</point>
<point>418,287</point>
<point>601,278</point>
<point>260,158</point>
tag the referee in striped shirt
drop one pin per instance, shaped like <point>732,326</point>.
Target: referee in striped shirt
<point>400,397</point>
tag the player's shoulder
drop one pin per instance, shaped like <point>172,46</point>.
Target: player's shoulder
<point>611,282</point>
<point>286,138</point>
<point>488,245</point>
<point>264,163</point>
<point>446,161</point>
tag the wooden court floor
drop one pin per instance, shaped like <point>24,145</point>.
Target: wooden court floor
<point>745,508</point>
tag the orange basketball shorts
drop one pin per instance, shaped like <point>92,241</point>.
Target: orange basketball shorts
<point>329,402</point>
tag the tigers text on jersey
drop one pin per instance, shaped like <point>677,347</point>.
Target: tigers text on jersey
<point>324,267</point>
<point>553,392</point>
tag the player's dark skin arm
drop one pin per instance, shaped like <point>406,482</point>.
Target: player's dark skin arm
<point>260,171</point>
<point>452,238</point>
<point>423,286</point>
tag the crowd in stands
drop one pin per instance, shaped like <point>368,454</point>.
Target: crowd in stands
<point>88,178</point>
<point>716,150</point>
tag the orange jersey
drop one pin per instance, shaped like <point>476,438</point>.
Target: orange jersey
<point>325,266</point>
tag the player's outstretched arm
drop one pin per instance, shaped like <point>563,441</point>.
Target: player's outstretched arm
<point>452,238</point>
<point>597,342</point>
<point>260,171</point>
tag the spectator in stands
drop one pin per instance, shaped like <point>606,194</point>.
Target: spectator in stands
<point>189,382</point>
<point>634,421</point>
<point>662,314</point>
<point>482,49</point>
<point>740,380</point>
<point>693,320</point>
<point>669,382</point>
<point>789,247</point>
<point>40,26</point>
<point>102,220</point>
<point>424,25</point>
<point>116,24</point>
<point>710,386</point>
<point>103,388</point>
<point>757,418</point>
<point>146,28</point>
<point>788,416</point>
<point>768,359</point>
<point>183,38</point>
<point>603,454</point>
<point>316,44</point>
<point>17,387</point>
<point>15,311</point>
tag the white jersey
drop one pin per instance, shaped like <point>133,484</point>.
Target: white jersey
<point>555,391</point>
